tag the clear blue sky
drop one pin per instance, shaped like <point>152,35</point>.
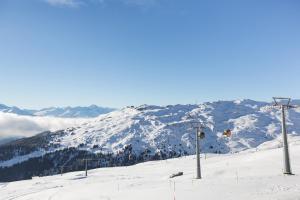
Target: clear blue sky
<point>130,52</point>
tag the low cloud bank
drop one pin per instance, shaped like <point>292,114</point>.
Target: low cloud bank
<point>12,125</point>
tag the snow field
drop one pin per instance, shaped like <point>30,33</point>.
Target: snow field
<point>245,175</point>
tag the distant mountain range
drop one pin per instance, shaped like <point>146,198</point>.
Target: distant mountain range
<point>64,112</point>
<point>148,132</point>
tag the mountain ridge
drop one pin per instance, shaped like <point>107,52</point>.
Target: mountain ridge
<point>64,112</point>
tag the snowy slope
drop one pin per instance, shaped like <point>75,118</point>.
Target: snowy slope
<point>246,175</point>
<point>169,128</point>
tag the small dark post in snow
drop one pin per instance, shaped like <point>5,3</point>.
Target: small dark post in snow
<point>174,191</point>
<point>86,168</point>
<point>61,170</point>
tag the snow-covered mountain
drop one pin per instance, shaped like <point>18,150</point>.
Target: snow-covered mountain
<point>169,128</point>
<point>136,134</point>
<point>71,112</point>
<point>14,109</point>
<point>66,112</point>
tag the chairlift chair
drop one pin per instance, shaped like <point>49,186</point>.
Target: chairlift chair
<point>202,135</point>
<point>227,133</point>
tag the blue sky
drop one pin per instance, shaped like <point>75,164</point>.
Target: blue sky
<point>130,52</point>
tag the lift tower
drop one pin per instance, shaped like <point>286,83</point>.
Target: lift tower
<point>284,104</point>
<point>198,126</point>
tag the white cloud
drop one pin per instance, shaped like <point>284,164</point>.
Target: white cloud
<point>15,125</point>
<point>68,3</point>
<point>77,3</point>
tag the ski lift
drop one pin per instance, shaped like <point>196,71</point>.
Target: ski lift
<point>227,133</point>
<point>202,135</point>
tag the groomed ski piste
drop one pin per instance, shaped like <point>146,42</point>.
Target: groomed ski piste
<point>252,174</point>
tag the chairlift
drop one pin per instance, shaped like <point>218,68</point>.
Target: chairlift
<point>227,133</point>
<point>202,135</point>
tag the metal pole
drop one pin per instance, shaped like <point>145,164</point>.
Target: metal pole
<point>198,153</point>
<point>86,167</point>
<point>61,170</point>
<point>286,156</point>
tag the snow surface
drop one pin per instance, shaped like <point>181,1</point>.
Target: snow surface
<point>246,175</point>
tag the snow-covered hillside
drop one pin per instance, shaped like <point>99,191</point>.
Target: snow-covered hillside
<point>137,134</point>
<point>169,128</point>
<point>247,175</point>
